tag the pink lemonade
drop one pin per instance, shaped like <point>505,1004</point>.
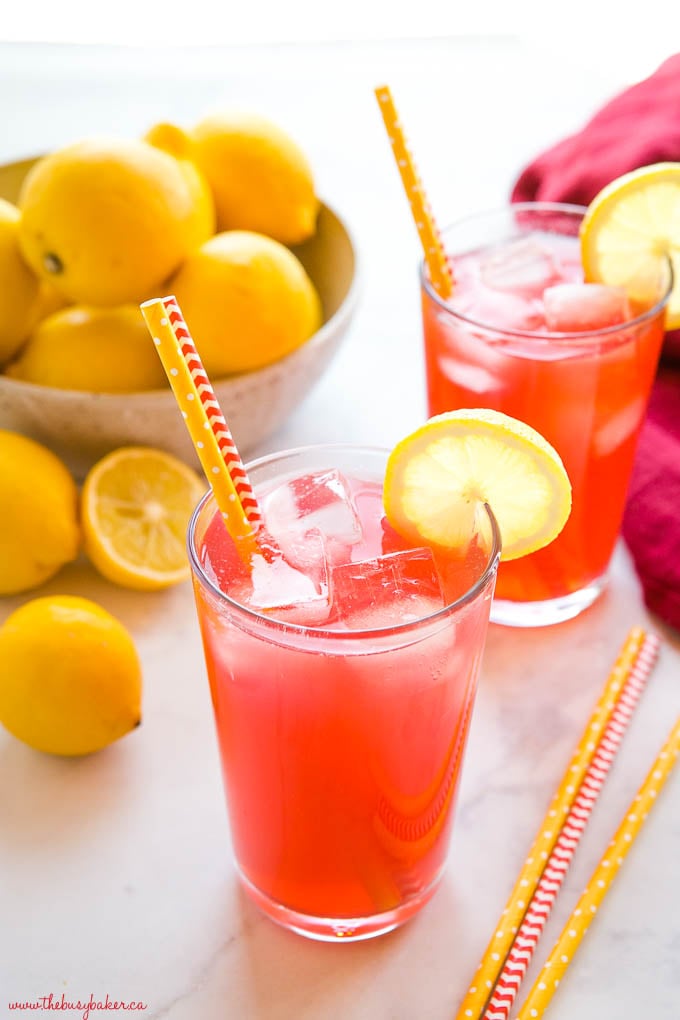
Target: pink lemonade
<point>524,335</point>
<point>343,670</point>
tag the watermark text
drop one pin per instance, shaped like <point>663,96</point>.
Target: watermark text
<point>84,1007</point>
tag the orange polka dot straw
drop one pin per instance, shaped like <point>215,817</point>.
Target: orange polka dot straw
<point>481,988</point>
<point>576,927</point>
<point>433,250</point>
<point>205,423</point>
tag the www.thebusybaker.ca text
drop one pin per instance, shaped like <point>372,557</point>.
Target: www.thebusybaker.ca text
<point>84,1007</point>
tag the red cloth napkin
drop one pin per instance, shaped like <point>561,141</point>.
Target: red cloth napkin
<point>637,127</point>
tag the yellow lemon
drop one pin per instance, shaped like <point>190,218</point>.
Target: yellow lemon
<point>105,221</point>
<point>631,233</point>
<point>437,477</point>
<point>136,505</point>
<point>72,681</point>
<point>260,178</point>
<point>19,286</point>
<point>39,499</point>
<point>50,300</point>
<point>248,301</point>
<point>176,143</point>
<point>103,350</point>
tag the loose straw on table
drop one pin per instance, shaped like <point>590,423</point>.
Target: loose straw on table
<point>600,881</point>
<point>205,422</point>
<point>485,978</point>
<point>433,250</point>
<point>536,917</point>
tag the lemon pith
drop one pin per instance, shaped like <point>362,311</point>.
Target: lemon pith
<point>437,477</point>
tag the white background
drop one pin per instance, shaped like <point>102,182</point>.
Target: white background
<point>627,39</point>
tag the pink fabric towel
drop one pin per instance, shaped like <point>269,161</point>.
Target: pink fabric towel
<point>637,127</point>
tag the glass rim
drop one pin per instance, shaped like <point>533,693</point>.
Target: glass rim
<point>576,337</point>
<point>283,627</point>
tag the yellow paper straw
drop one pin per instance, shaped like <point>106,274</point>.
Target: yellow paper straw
<point>600,881</point>
<point>491,965</point>
<point>433,250</point>
<point>199,428</point>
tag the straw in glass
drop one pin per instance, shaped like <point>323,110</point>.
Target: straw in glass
<point>433,249</point>
<point>492,962</point>
<point>535,919</point>
<point>576,927</point>
<point>198,405</point>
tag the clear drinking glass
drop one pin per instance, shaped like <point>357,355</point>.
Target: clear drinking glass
<point>342,748</point>
<point>586,391</point>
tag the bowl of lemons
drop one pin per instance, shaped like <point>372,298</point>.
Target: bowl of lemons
<point>224,215</point>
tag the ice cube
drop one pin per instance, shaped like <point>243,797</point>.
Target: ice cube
<point>387,590</point>
<point>473,378</point>
<point>578,307</point>
<point>501,309</point>
<point>619,428</point>
<point>319,502</point>
<point>219,555</point>
<point>291,592</point>
<point>523,267</point>
<point>391,539</point>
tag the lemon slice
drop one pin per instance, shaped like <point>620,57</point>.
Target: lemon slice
<point>437,478</point>
<point>630,230</point>
<point>136,505</point>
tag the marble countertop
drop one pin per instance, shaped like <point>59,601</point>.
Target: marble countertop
<point>115,870</point>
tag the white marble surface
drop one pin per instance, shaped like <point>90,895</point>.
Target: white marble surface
<point>115,872</point>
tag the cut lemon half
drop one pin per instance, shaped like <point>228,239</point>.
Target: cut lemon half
<point>631,230</point>
<point>136,505</point>
<point>437,478</point>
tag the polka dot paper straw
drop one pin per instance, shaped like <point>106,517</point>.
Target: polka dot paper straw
<point>204,422</point>
<point>484,981</point>
<point>576,927</point>
<point>433,250</point>
<point>535,919</point>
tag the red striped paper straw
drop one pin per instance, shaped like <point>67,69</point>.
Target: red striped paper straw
<point>213,413</point>
<point>211,437</point>
<point>526,940</point>
<point>478,994</point>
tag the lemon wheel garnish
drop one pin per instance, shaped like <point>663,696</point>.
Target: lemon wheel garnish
<point>438,477</point>
<point>136,505</point>
<point>631,229</point>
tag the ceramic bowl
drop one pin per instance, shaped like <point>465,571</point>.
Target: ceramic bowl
<point>81,427</point>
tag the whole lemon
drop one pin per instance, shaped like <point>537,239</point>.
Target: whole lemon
<point>103,350</point>
<point>19,286</point>
<point>71,681</point>
<point>49,300</point>
<point>260,177</point>
<point>248,299</point>
<point>39,501</point>
<point>106,221</point>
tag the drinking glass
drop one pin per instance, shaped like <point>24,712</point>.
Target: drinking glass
<point>585,391</point>
<point>341,749</point>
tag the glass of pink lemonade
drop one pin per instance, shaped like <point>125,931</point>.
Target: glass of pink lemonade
<point>521,333</point>
<point>342,678</point>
